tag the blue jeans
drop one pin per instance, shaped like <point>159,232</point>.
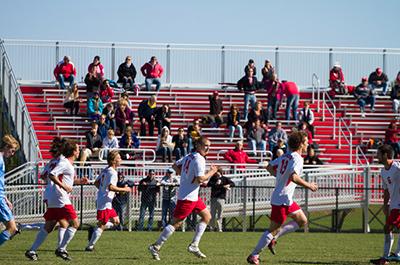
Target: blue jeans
<point>232,131</point>
<point>272,108</point>
<point>179,152</point>
<point>125,81</point>
<point>248,98</point>
<point>260,146</point>
<point>364,101</point>
<point>62,79</point>
<point>292,102</point>
<point>150,81</point>
<point>167,209</point>
<point>142,212</point>
<point>383,86</point>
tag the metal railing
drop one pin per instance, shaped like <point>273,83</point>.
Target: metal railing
<point>264,155</point>
<point>15,111</point>
<point>316,85</point>
<point>142,154</point>
<point>325,107</point>
<point>343,128</point>
<point>361,159</point>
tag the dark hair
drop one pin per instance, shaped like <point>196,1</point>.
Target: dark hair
<point>97,58</point>
<point>56,146</point>
<point>386,149</point>
<point>69,148</point>
<point>296,139</point>
<point>251,61</point>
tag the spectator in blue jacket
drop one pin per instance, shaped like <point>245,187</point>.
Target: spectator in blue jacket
<point>129,140</point>
<point>365,94</point>
<point>275,134</point>
<point>95,106</point>
<point>146,112</point>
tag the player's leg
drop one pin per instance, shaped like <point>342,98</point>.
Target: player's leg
<point>103,216</point>
<point>68,212</point>
<point>7,218</point>
<point>299,220</point>
<point>40,238</point>
<point>61,231</point>
<point>205,215</point>
<point>391,221</point>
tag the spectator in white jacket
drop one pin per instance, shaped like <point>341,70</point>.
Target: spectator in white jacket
<point>110,142</point>
<point>165,145</point>
<point>307,115</point>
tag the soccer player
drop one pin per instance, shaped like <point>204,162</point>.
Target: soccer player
<point>60,208</point>
<point>390,174</point>
<point>8,148</point>
<point>287,169</point>
<point>106,182</point>
<point>191,168</point>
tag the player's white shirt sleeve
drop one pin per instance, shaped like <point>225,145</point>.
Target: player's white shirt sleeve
<point>275,162</point>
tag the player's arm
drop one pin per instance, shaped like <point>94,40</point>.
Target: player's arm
<point>81,181</point>
<point>209,174</point>
<point>177,168</point>
<point>271,169</point>
<point>299,181</point>
<point>114,188</point>
<point>59,183</point>
<point>386,198</point>
<point>9,204</point>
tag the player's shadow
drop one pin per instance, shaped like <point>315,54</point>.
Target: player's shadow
<point>336,262</point>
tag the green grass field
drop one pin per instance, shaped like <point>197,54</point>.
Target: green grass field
<point>220,248</point>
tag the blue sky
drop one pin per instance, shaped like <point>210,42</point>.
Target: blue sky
<point>361,23</point>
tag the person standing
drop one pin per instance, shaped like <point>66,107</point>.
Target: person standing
<point>152,71</point>
<point>287,169</point>
<point>149,187</point>
<point>192,169</point>
<point>8,148</point>
<point>169,184</point>
<point>219,186</point>
<point>249,85</point>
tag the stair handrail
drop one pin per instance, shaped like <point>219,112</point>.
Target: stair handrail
<point>349,138</point>
<point>332,111</point>
<point>22,172</point>
<point>360,153</point>
<point>316,86</point>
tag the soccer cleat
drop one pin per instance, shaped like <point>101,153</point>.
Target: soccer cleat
<point>62,254</point>
<point>32,255</point>
<point>196,251</point>
<point>17,232</point>
<point>380,261</point>
<point>271,246</point>
<point>89,248</point>
<point>393,257</point>
<point>155,252</point>
<point>251,259</point>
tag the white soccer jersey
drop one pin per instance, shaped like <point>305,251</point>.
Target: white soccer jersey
<point>193,165</point>
<point>56,196</point>
<point>391,182</point>
<point>45,175</point>
<point>104,196</point>
<point>287,164</point>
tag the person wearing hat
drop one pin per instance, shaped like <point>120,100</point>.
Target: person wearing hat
<point>216,110</point>
<point>95,106</point>
<point>149,187</point>
<point>336,80</point>
<point>169,185</point>
<point>65,71</point>
<point>378,79</point>
<point>365,95</point>
<point>250,65</point>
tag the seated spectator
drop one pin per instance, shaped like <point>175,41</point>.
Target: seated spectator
<point>216,109</point>
<point>123,116</point>
<point>336,80</point>
<point>65,71</point>
<point>180,142</point>
<point>163,117</point>
<point>129,141</point>
<point>238,156</point>
<point>307,115</point>
<point>392,139</point>
<point>250,65</point>
<point>72,100</point>
<point>268,73</point>
<point>95,107</point>
<point>249,85</point>
<point>152,71</point>
<point>378,79</point>
<point>125,97</point>
<point>257,138</point>
<point>93,144</point>
<point>98,67</point>
<point>312,158</point>
<point>275,134</point>
<point>103,127</point>
<point>194,133</point>
<point>110,141</point>
<point>257,113</point>
<point>165,145</point>
<point>92,83</point>
<point>395,94</point>
<point>127,73</point>
<point>292,93</point>
<point>365,94</point>
<point>275,96</point>
<point>279,149</point>
<point>304,128</point>
<point>106,92</point>
<point>146,112</point>
<point>233,122</point>
<point>110,115</point>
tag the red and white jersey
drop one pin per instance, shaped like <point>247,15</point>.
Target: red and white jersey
<point>192,166</point>
<point>46,172</point>
<point>391,182</point>
<point>56,196</point>
<point>104,196</point>
<point>287,164</point>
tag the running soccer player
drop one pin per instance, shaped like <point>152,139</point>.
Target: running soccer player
<point>8,148</point>
<point>191,168</point>
<point>106,182</point>
<point>390,174</point>
<point>60,208</point>
<point>287,169</point>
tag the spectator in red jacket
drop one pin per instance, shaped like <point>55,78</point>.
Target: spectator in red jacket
<point>292,93</point>
<point>65,71</point>
<point>152,71</point>
<point>238,156</point>
<point>106,91</point>
<point>336,80</point>
<point>98,67</point>
<point>392,139</point>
